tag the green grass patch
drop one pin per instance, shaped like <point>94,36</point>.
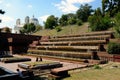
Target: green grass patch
<point>107,72</point>
<point>66,30</point>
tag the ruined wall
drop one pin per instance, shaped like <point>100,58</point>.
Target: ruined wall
<point>16,43</point>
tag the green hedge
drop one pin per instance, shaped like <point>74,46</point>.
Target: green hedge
<point>113,48</point>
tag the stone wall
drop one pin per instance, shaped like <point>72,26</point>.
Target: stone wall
<point>16,43</point>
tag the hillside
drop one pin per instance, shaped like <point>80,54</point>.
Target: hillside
<point>67,30</point>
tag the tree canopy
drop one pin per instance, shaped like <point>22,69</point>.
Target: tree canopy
<point>110,7</point>
<point>51,22</point>
<point>28,28</point>
<point>84,12</point>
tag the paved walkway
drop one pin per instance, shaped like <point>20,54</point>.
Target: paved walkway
<point>14,66</point>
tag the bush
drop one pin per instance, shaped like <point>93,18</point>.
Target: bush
<point>72,21</point>
<point>79,22</point>
<point>97,66</point>
<point>99,23</point>
<point>117,24</point>
<point>113,48</point>
<point>58,28</point>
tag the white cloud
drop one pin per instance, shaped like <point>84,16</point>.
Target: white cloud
<point>44,18</point>
<point>79,1</point>
<point>68,6</point>
<point>29,6</point>
<point>6,18</point>
<point>8,5</point>
<point>1,1</point>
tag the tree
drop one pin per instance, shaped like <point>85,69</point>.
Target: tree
<point>117,24</point>
<point>28,28</point>
<point>38,28</point>
<point>98,22</point>
<point>110,7</point>
<point>71,19</point>
<point>84,12</point>
<point>1,12</point>
<point>63,20</point>
<point>51,22</point>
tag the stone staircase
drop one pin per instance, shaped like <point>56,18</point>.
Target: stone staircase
<point>80,46</point>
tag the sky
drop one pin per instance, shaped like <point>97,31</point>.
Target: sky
<point>41,9</point>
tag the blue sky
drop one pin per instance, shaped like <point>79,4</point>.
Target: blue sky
<point>41,9</point>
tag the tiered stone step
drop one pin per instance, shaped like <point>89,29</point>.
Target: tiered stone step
<point>80,55</point>
<point>87,34</point>
<point>69,48</point>
<point>82,46</point>
<point>70,43</point>
<point>99,37</point>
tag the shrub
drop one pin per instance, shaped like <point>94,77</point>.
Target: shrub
<point>117,24</point>
<point>58,28</point>
<point>113,48</point>
<point>99,23</point>
<point>72,21</point>
<point>97,66</point>
<point>79,22</point>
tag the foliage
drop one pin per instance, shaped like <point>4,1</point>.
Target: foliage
<point>98,22</point>
<point>79,22</point>
<point>67,19</point>
<point>113,48</point>
<point>51,22</point>
<point>97,66</point>
<point>84,12</point>
<point>28,28</point>
<point>63,20</point>
<point>111,7</point>
<point>38,28</point>
<point>58,28</point>
<point>1,12</point>
<point>72,21</point>
<point>117,24</point>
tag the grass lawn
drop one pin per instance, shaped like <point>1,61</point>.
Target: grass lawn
<point>66,30</point>
<point>106,73</point>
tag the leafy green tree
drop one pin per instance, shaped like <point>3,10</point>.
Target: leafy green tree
<point>84,12</point>
<point>79,22</point>
<point>110,7</point>
<point>63,20</point>
<point>2,12</point>
<point>98,22</point>
<point>71,19</point>
<point>98,12</point>
<point>51,22</point>
<point>28,28</point>
<point>117,24</point>
<point>38,28</point>
<point>67,19</point>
